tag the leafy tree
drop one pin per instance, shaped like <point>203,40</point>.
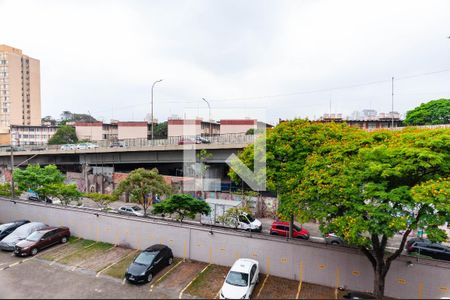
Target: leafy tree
<point>161,130</point>
<point>48,119</point>
<point>430,113</point>
<point>201,167</point>
<point>64,135</point>
<point>103,200</point>
<point>5,189</point>
<point>142,184</point>
<point>362,190</point>
<point>68,116</point>
<point>365,187</point>
<point>183,206</point>
<point>38,179</point>
<point>64,192</point>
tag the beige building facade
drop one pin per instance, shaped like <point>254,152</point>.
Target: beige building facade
<point>191,127</point>
<point>22,135</point>
<point>132,130</point>
<point>20,91</point>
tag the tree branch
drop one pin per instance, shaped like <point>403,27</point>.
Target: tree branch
<point>369,256</point>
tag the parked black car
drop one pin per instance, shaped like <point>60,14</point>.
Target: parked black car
<point>6,229</point>
<point>434,250</point>
<point>358,295</point>
<point>148,263</point>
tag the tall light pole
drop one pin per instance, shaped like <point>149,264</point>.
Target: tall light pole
<point>209,108</point>
<point>392,108</point>
<point>151,117</point>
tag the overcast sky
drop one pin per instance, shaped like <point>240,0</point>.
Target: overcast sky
<point>266,59</point>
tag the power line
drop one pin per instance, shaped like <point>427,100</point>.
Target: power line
<point>345,87</point>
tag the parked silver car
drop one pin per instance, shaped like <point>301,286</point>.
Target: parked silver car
<point>131,210</point>
<point>21,233</point>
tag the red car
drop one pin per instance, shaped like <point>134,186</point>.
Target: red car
<point>282,228</point>
<point>42,239</point>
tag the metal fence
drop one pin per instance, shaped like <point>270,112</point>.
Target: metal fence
<point>239,138</point>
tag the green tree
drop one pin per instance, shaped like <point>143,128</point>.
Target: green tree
<point>431,113</point>
<point>161,130</point>
<point>64,135</point>
<point>142,185</point>
<point>183,206</point>
<point>102,200</point>
<point>368,189</point>
<point>359,184</point>
<point>38,179</point>
<point>64,192</point>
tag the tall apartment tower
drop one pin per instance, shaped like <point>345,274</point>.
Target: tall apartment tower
<point>20,89</point>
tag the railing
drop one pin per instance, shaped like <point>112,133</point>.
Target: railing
<point>224,139</point>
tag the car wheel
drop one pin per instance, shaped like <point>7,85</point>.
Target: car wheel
<point>273,233</point>
<point>334,243</point>
<point>34,251</point>
<point>170,261</point>
<point>149,277</point>
<point>64,240</point>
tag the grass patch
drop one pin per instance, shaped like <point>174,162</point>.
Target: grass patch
<point>118,270</point>
<point>72,245</point>
<point>87,250</point>
<point>208,283</point>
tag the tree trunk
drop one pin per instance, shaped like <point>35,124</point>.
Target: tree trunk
<point>379,280</point>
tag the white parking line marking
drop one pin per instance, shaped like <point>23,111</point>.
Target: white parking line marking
<point>185,288</point>
<point>113,264</point>
<point>123,281</point>
<point>262,287</point>
<point>164,275</point>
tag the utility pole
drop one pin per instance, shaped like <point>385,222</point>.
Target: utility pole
<point>151,115</point>
<point>210,128</point>
<point>392,107</point>
<point>12,173</point>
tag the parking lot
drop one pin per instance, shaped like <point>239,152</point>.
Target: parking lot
<point>89,269</point>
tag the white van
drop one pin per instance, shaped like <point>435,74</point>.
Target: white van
<point>218,208</point>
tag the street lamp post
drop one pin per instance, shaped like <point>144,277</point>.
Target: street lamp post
<point>210,125</point>
<point>151,117</point>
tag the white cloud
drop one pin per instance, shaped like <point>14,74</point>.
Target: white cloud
<point>102,56</point>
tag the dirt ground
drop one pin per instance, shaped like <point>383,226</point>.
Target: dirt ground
<point>276,288</point>
<point>178,279</point>
<point>314,291</point>
<point>99,262</point>
<point>208,284</point>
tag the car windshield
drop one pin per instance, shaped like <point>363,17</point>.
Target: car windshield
<point>35,236</point>
<point>237,278</point>
<point>297,228</point>
<point>250,218</point>
<point>145,258</point>
<point>136,208</point>
<point>5,226</point>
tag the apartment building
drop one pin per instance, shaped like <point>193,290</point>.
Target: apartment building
<point>20,92</point>
<point>192,127</point>
<point>367,122</point>
<point>22,135</point>
<point>241,126</point>
<point>132,130</point>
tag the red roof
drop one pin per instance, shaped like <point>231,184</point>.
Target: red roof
<point>184,122</point>
<point>238,122</point>
<point>132,124</point>
<point>88,124</point>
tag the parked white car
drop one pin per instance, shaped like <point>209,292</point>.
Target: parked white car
<point>131,210</point>
<point>219,207</point>
<point>84,146</point>
<point>241,280</point>
<point>68,147</point>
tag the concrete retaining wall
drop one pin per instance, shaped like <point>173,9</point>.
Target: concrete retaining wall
<point>299,260</point>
